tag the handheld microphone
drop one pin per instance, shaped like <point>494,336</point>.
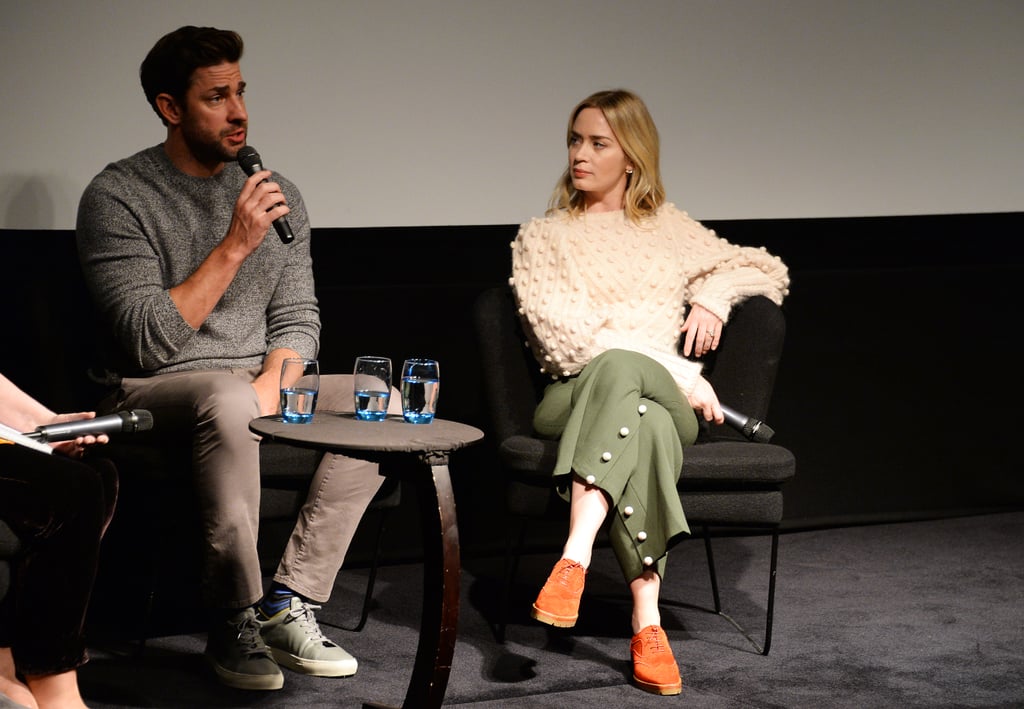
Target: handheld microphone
<point>249,160</point>
<point>756,431</point>
<point>121,422</point>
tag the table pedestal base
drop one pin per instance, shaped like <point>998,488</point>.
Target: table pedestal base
<point>393,441</point>
<point>441,572</point>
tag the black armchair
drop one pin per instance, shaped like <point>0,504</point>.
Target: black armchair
<point>727,481</point>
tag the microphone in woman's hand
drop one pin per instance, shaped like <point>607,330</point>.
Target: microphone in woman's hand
<point>755,430</point>
<point>121,422</point>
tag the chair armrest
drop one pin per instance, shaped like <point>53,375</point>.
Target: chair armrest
<point>744,367</point>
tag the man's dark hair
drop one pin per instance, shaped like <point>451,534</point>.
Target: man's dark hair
<point>168,67</point>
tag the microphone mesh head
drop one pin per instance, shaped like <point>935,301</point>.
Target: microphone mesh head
<point>249,159</point>
<point>143,420</point>
<point>762,433</point>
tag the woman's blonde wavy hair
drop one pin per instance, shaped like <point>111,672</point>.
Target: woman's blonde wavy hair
<point>634,128</point>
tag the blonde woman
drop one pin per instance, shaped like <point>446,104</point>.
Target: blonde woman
<point>621,293</point>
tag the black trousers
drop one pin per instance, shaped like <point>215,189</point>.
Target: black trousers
<point>59,508</point>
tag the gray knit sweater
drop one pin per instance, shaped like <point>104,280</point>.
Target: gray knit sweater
<point>144,227</point>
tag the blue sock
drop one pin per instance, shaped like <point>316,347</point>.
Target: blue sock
<point>276,600</point>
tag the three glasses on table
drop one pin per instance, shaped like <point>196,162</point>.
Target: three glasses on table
<point>420,383</point>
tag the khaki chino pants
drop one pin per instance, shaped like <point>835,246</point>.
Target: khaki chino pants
<point>214,408</point>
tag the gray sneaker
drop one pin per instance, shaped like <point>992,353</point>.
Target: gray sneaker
<point>297,643</point>
<point>239,656</point>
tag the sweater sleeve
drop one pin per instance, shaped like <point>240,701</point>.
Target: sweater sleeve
<point>721,274</point>
<point>293,314</point>
<point>124,275</point>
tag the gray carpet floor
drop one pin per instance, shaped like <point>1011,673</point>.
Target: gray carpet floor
<point>915,614</point>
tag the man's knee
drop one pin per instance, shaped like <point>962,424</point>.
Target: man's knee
<point>336,393</point>
<point>225,398</point>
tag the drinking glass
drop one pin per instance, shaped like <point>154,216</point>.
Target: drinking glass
<point>420,384</point>
<point>300,384</point>
<point>372,387</point>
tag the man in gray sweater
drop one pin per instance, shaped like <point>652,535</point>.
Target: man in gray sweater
<point>204,302</point>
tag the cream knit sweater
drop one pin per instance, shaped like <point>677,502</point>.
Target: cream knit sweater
<point>597,282</point>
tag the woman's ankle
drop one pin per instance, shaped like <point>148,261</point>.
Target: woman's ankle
<point>56,690</point>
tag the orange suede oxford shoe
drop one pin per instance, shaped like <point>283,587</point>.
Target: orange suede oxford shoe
<point>558,603</point>
<point>654,667</point>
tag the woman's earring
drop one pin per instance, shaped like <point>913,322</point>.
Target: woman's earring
<point>629,171</point>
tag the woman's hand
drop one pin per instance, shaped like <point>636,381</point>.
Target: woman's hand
<point>704,399</point>
<point>703,331</point>
<point>75,448</point>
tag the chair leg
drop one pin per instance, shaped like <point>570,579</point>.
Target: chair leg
<point>770,615</point>
<point>711,569</point>
<point>154,581</point>
<point>156,571</point>
<point>513,551</point>
<point>144,624</point>
<point>770,612</point>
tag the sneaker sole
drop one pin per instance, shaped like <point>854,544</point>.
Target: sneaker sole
<point>315,668</point>
<point>559,621</point>
<point>237,680</point>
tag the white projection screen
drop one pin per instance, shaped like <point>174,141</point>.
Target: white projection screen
<point>453,112</point>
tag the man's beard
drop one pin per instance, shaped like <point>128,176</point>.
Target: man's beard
<point>209,150</point>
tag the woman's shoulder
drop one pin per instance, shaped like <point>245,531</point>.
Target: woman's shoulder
<point>560,216</point>
<point>669,210</point>
<point>669,215</point>
<point>546,224</point>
